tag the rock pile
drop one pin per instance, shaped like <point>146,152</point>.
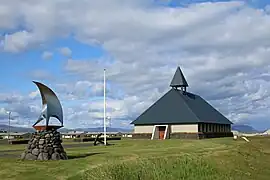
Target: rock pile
<point>44,145</point>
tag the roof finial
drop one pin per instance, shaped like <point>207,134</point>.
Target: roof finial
<point>179,80</point>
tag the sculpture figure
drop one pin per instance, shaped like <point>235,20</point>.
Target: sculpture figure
<point>45,143</point>
<point>51,107</point>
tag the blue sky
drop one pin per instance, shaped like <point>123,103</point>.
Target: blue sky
<point>37,45</point>
<point>19,66</point>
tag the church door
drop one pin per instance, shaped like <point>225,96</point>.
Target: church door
<point>161,130</point>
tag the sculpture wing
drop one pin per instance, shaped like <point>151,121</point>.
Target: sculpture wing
<point>51,104</point>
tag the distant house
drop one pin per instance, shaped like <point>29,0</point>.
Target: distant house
<point>109,134</point>
<point>181,114</point>
<point>72,134</point>
<point>14,135</point>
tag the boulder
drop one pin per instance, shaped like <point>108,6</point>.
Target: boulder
<point>56,156</point>
<point>35,151</point>
<point>30,156</point>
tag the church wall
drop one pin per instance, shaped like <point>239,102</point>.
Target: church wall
<point>186,131</point>
<point>189,128</point>
<point>143,129</point>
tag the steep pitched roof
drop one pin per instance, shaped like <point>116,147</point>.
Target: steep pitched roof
<point>179,79</point>
<point>178,107</point>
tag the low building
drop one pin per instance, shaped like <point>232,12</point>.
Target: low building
<point>72,134</point>
<point>14,135</point>
<point>181,114</point>
<point>108,134</point>
<point>127,134</point>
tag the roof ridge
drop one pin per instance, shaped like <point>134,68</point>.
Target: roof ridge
<point>177,92</point>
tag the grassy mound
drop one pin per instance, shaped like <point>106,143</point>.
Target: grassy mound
<point>181,167</point>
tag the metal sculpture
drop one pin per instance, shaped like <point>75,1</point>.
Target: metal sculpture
<point>51,107</point>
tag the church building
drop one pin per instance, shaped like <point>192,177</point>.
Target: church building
<point>181,114</point>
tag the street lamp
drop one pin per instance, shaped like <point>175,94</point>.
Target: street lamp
<point>9,114</point>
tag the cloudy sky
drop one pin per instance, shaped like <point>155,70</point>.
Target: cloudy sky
<point>223,48</point>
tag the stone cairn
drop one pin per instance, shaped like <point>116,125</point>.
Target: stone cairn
<point>44,145</point>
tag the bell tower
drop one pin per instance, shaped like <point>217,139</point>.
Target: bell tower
<point>179,80</point>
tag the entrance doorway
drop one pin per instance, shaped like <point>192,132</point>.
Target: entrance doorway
<point>161,130</point>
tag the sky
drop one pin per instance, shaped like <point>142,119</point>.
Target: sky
<point>222,47</point>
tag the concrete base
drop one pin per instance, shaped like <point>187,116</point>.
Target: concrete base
<point>141,136</point>
<point>184,136</point>
<point>199,135</point>
<point>215,135</point>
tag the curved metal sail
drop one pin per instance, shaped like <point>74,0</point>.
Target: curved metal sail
<point>51,106</point>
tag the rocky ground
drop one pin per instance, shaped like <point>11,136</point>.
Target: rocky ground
<point>44,145</point>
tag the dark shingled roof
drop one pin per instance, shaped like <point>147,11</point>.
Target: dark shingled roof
<point>179,79</point>
<point>178,107</point>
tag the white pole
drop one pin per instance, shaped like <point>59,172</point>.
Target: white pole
<point>9,125</point>
<point>104,120</point>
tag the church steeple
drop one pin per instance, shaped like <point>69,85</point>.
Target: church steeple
<point>179,80</point>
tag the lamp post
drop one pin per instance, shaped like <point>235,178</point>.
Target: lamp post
<point>9,113</point>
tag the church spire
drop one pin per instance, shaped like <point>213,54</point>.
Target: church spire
<point>179,80</point>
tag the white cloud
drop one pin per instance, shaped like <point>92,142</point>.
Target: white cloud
<point>17,41</point>
<point>46,55</point>
<point>40,74</point>
<point>34,94</point>
<point>223,49</point>
<point>3,113</point>
<point>65,51</point>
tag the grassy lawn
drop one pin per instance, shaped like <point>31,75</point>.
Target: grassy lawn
<point>221,158</point>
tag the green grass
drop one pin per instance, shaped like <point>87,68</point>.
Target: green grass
<point>182,167</point>
<point>221,158</point>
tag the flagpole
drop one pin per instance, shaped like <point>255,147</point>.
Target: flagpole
<point>104,120</point>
